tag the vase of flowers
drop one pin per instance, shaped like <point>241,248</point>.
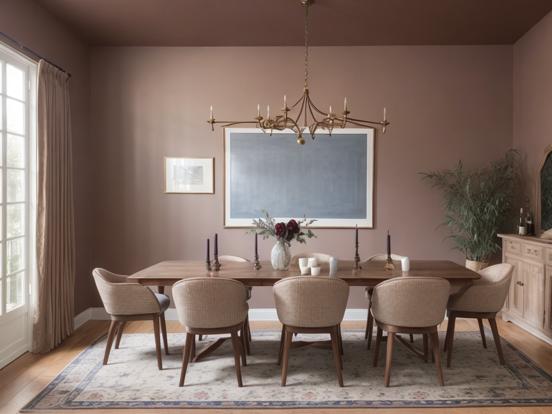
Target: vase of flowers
<point>284,233</point>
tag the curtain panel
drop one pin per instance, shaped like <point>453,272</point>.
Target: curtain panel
<point>53,309</point>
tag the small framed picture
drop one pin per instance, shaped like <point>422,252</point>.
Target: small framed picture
<point>189,175</point>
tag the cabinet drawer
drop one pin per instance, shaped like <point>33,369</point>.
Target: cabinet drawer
<point>533,252</point>
<point>513,247</point>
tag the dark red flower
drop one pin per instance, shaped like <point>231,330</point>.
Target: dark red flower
<point>293,226</point>
<point>280,229</point>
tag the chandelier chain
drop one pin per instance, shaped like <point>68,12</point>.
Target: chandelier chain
<point>306,5</point>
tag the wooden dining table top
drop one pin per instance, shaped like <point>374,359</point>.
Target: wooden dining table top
<point>167,273</point>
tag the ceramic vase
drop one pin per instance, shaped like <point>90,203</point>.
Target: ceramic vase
<point>280,256</point>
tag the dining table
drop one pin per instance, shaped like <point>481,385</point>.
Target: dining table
<point>367,274</point>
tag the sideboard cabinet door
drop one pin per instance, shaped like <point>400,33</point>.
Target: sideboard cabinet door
<point>516,296</point>
<point>534,293</point>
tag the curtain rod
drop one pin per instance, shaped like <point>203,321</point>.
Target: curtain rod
<point>30,53</point>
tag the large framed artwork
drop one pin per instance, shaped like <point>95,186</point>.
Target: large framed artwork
<point>330,179</point>
<point>189,175</point>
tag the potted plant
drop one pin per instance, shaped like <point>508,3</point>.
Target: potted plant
<point>477,204</point>
<point>284,233</point>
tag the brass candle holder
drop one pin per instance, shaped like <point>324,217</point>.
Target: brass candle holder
<point>389,265</point>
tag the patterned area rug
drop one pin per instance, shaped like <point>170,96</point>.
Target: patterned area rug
<point>131,380</point>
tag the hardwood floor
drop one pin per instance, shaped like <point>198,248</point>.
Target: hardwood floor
<point>24,378</point>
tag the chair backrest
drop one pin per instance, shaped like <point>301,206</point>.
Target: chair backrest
<point>228,258</point>
<point>416,302</point>
<point>121,297</point>
<point>323,258</point>
<point>382,257</point>
<point>488,293</point>
<point>210,302</point>
<point>313,301</point>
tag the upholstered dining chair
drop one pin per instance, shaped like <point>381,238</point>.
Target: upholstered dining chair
<point>208,305</point>
<point>409,305</point>
<point>238,259</point>
<point>127,301</point>
<point>381,257</point>
<point>482,300</point>
<point>310,305</point>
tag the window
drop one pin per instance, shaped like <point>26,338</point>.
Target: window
<point>17,117</point>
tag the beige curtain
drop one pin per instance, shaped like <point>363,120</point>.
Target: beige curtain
<point>55,240</point>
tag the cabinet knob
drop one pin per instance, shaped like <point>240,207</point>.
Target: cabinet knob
<point>519,283</point>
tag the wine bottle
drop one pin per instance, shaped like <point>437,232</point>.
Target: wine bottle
<point>522,227</point>
<point>529,224</point>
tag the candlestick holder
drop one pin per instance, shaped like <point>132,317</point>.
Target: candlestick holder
<point>389,265</point>
<point>216,264</point>
<point>356,265</point>
<point>208,265</point>
<point>257,264</point>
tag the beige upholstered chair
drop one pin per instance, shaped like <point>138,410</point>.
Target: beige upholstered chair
<point>209,305</point>
<point>482,300</point>
<point>125,301</point>
<point>381,257</point>
<point>409,305</point>
<point>238,259</point>
<point>314,304</point>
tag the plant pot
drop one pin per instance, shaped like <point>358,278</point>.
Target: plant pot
<point>280,256</point>
<point>475,265</point>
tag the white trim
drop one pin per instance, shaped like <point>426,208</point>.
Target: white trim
<point>258,314</point>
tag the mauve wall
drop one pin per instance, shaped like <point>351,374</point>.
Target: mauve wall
<point>35,28</point>
<point>445,104</point>
<point>533,97</point>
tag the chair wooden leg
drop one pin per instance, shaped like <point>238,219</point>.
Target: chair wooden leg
<point>425,346</point>
<point>282,340</point>
<point>369,329</point>
<point>243,340</point>
<point>164,332</point>
<point>437,357</point>
<point>389,358</point>
<point>157,341</point>
<point>190,338</point>
<point>482,331</point>
<point>334,333</point>
<point>450,337</point>
<point>109,342</point>
<point>236,345</point>
<point>247,343</point>
<point>411,338</point>
<point>339,340</point>
<point>249,335</point>
<point>119,334</point>
<point>285,356</point>
<point>200,337</point>
<point>496,337</point>
<point>193,351</point>
<point>377,346</point>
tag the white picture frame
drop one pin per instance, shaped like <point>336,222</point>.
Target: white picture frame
<point>189,175</point>
<point>365,221</point>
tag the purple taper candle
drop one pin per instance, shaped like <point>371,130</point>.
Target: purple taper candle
<point>256,247</point>
<point>388,244</point>
<point>208,251</point>
<point>216,245</point>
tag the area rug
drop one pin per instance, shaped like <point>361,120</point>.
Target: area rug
<point>131,380</point>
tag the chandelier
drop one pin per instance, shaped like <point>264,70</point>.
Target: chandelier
<point>304,116</point>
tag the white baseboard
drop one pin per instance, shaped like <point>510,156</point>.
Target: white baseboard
<point>258,314</point>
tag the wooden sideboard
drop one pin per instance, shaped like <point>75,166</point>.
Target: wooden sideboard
<point>529,303</point>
